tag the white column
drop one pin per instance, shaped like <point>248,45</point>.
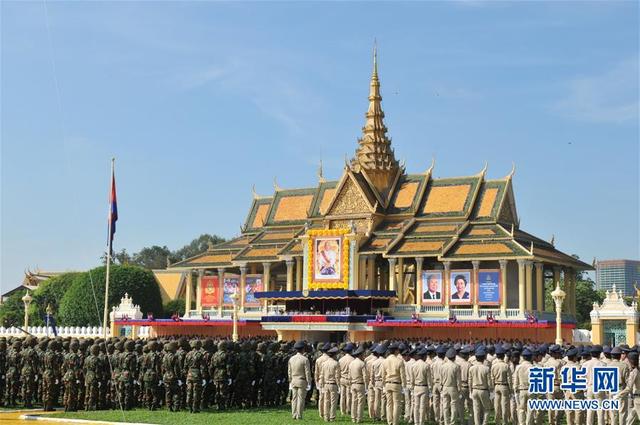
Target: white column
<point>446,285</point>
<point>188,293</point>
<point>243,285</point>
<point>474,283</point>
<point>289,263</point>
<point>539,287</point>
<point>418,290</point>
<point>521,286</point>
<point>503,283</point>
<point>199,291</point>
<point>220,290</point>
<point>392,274</point>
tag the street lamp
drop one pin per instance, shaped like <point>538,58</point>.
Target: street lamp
<point>558,297</point>
<point>234,299</point>
<point>27,302</point>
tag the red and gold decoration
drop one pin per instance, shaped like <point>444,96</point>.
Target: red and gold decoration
<point>210,288</point>
<point>328,259</point>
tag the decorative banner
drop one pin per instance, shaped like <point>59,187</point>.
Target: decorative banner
<point>460,287</point>
<point>328,259</point>
<point>431,287</point>
<point>231,286</point>
<point>489,287</point>
<point>210,287</point>
<point>253,285</point>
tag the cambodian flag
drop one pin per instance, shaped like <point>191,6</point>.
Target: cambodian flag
<point>113,209</point>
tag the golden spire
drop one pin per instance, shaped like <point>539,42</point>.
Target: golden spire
<point>374,153</point>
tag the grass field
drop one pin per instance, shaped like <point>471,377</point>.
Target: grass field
<point>240,417</point>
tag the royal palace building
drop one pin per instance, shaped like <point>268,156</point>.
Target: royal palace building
<point>379,253</point>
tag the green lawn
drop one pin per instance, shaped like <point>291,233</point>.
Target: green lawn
<point>239,417</point>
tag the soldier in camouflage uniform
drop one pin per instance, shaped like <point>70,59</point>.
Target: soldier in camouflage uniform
<point>269,386</point>
<point>244,377</point>
<point>209,349</point>
<point>170,371</point>
<point>151,377</point>
<point>222,375</point>
<point>52,365</point>
<point>114,360</point>
<point>3,367</point>
<point>71,365</point>
<point>92,372</point>
<point>14,364</point>
<point>41,349</point>
<point>29,372</point>
<point>128,374</point>
<point>194,367</point>
<point>103,378</point>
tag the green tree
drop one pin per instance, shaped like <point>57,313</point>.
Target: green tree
<point>12,310</point>
<point>154,257</point>
<point>174,306</point>
<point>586,295</point>
<point>49,292</point>
<point>196,246</point>
<point>83,303</point>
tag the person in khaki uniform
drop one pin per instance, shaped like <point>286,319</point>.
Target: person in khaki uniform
<point>299,372</point>
<point>420,383</point>
<point>632,389</point>
<point>330,381</point>
<point>316,377</point>
<point>451,381</point>
<point>465,394</point>
<point>431,353</point>
<point>368,361</point>
<point>409,361</point>
<point>380,402</point>
<point>619,417</point>
<point>574,417</point>
<point>395,384</point>
<point>345,392</point>
<point>556,363</point>
<point>514,361</point>
<point>521,387</point>
<point>501,381</point>
<point>436,390</point>
<point>358,381</point>
<point>480,385</point>
<point>592,362</point>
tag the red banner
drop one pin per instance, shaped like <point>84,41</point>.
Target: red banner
<point>210,290</point>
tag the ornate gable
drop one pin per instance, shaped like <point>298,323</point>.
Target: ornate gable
<point>349,200</point>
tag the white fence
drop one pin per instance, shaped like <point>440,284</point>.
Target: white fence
<point>67,331</point>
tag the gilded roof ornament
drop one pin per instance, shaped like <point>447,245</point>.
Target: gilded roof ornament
<point>430,169</point>
<point>275,185</point>
<point>512,172</point>
<point>484,169</point>
<point>321,178</point>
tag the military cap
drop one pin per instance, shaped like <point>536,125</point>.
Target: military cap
<point>394,346</point>
<point>431,348</point>
<point>423,352</point>
<point>500,349</point>
<point>507,346</point>
<point>633,356</point>
<point>359,350</point>
<point>616,350</point>
<point>606,349</point>
<point>373,347</point>
<point>348,347</point>
<point>586,352</point>
<point>572,352</point>
<point>380,349</point>
<point>299,345</point>
<point>441,349</point>
<point>326,346</point>
<point>481,352</point>
<point>457,346</point>
<point>332,351</point>
<point>596,350</point>
<point>402,346</point>
<point>451,353</point>
<point>526,352</point>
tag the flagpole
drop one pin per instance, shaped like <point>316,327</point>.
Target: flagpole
<point>105,315</point>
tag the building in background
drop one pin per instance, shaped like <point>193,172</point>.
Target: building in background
<point>623,274</point>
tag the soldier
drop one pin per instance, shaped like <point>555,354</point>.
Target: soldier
<point>590,364</point>
<point>244,377</point>
<point>104,378</point>
<point>194,365</point>
<point>71,365</point>
<point>299,373</point>
<point>14,365</point>
<point>221,370</point>
<point>574,417</point>
<point>521,386</point>
<point>632,388</point>
<point>345,394</point>
<point>368,361</point>
<point>92,371</point>
<point>170,377</point>
<point>465,395</point>
<point>269,384</point>
<point>451,381</point>
<point>408,394</point>
<point>52,365</point>
<point>480,385</point>
<point>151,365</point>
<point>380,402</point>
<point>3,368</point>
<point>421,376</point>
<point>358,379</point>
<point>115,356</point>
<point>436,394</point>
<point>501,381</point>
<point>395,384</point>
<point>619,417</point>
<point>323,348</point>
<point>329,379</point>
<point>29,371</point>
<point>554,361</point>
<point>183,348</point>
<point>514,361</point>
<point>128,375</point>
<point>209,349</point>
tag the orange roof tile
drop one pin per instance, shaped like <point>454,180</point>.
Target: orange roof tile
<point>406,194</point>
<point>326,199</point>
<point>489,248</point>
<point>446,198</point>
<point>293,208</point>
<point>261,215</point>
<point>482,231</point>
<point>214,258</point>
<point>409,246</point>
<point>489,198</point>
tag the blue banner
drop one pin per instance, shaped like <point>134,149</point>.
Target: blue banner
<point>489,287</point>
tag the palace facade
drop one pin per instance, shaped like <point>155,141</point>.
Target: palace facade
<point>379,253</point>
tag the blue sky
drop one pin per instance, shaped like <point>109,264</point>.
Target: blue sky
<point>198,101</point>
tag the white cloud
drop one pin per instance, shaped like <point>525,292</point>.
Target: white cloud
<point>608,97</point>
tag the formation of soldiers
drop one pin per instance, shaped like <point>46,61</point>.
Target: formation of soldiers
<point>413,382</point>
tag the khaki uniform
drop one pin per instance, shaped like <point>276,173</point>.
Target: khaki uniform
<point>501,380</point>
<point>329,381</point>
<point>513,403</point>
<point>421,376</point>
<point>589,365</point>
<point>299,372</point>
<point>480,386</point>
<point>316,379</point>
<point>465,393</point>
<point>436,390</point>
<point>408,394</point>
<point>556,364</point>
<point>619,417</point>
<point>521,387</point>
<point>574,417</point>
<point>394,378</point>
<point>368,361</point>
<point>358,380</point>
<point>380,398</point>
<point>632,389</point>
<point>345,391</point>
<point>451,381</point>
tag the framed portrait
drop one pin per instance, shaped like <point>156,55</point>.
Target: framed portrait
<point>431,287</point>
<point>253,285</point>
<point>489,287</point>
<point>327,253</point>
<point>209,291</point>
<point>460,287</point>
<point>230,285</point>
